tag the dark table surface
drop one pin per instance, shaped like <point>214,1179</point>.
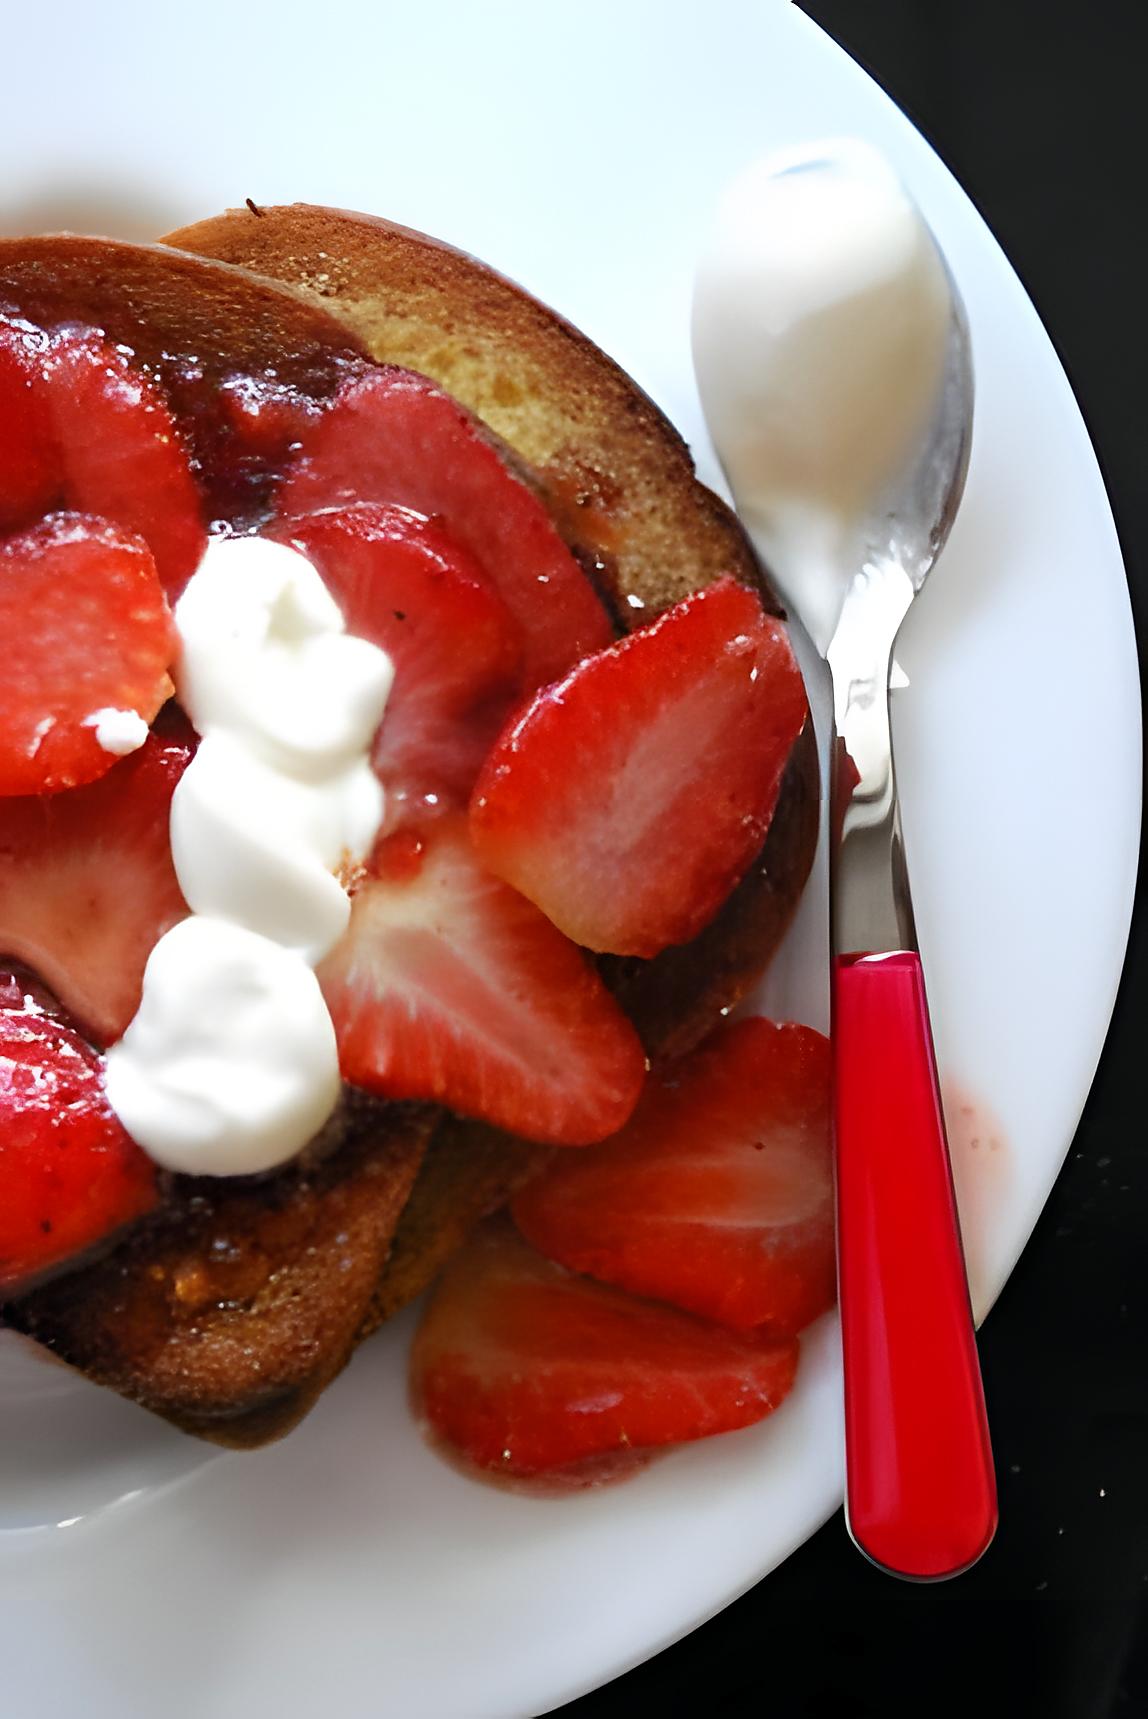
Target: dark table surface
<point>1041,110</point>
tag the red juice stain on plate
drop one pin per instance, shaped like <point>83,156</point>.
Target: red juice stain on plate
<point>982,1174</point>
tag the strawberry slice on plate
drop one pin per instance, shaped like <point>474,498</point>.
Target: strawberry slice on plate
<point>390,435</point>
<point>402,583</point>
<point>103,442</point>
<point>88,634</point>
<point>449,986</point>
<point>87,886</point>
<point>628,800</point>
<point>718,1194</point>
<point>521,1368</point>
<point>70,1174</point>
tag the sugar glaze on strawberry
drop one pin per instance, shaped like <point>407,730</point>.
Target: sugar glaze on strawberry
<point>230,1065</point>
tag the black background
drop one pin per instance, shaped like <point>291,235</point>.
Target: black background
<point>1041,110</point>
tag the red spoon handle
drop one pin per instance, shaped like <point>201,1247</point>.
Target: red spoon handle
<point>921,1492</point>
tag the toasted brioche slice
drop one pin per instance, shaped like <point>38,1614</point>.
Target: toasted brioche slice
<point>621,484</point>
<point>231,1309</point>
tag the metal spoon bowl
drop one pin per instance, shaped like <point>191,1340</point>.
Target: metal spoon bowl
<point>902,538</point>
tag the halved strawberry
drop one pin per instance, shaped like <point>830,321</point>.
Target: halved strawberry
<point>628,800</point>
<point>87,886</point>
<point>403,584</point>
<point>390,435</point>
<point>69,1174</point>
<point>29,476</point>
<point>106,439</point>
<point>87,630</point>
<point>718,1194</point>
<point>450,986</point>
<point>525,1369</point>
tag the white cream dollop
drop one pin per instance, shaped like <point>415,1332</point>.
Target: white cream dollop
<point>230,1065</point>
<point>265,657</point>
<point>231,1057</point>
<point>118,731</point>
<point>820,326</point>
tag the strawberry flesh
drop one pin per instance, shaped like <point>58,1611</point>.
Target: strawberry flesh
<point>29,471</point>
<point>87,629</point>
<point>457,651</point>
<point>253,435</point>
<point>523,1369</point>
<point>103,442</point>
<point>71,1176</point>
<point>717,1196</point>
<point>654,765</point>
<point>392,436</point>
<point>449,986</point>
<point>87,885</point>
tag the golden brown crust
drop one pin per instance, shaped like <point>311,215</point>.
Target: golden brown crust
<point>159,302</point>
<point>621,483</point>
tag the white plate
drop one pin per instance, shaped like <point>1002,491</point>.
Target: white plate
<point>579,147</point>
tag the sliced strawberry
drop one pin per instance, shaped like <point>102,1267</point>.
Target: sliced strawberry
<point>87,886</point>
<point>261,418</point>
<point>403,584</point>
<point>718,1193</point>
<point>257,429</point>
<point>87,630</point>
<point>22,994</point>
<point>390,435</point>
<point>450,986</point>
<point>115,448</point>
<point>629,799</point>
<point>29,473</point>
<point>522,1368</point>
<point>69,1174</point>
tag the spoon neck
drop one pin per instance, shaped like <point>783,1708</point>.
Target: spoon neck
<point>875,603</point>
<point>872,905</point>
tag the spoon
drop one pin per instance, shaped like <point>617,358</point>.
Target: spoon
<point>851,524</point>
